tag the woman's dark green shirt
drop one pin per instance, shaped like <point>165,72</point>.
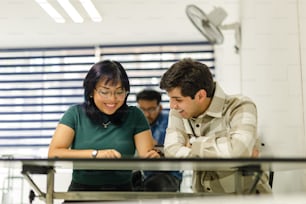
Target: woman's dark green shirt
<point>90,135</point>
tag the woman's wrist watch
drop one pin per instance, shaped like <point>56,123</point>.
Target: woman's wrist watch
<point>94,153</point>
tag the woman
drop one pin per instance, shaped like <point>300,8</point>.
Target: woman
<point>104,126</point>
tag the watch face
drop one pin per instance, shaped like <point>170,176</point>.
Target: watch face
<point>94,153</point>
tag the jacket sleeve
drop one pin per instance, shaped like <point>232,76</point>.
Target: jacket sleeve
<point>176,137</point>
<point>237,139</point>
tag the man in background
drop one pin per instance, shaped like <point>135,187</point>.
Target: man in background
<point>149,102</point>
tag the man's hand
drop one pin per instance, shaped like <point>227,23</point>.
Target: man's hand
<point>255,153</point>
<point>187,144</point>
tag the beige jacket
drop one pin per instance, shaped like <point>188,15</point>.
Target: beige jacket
<point>227,129</point>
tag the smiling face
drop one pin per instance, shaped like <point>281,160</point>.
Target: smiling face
<point>108,98</point>
<point>186,106</point>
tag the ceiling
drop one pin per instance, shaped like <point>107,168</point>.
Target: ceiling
<point>25,24</point>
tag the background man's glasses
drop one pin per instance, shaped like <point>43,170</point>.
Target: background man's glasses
<point>150,110</point>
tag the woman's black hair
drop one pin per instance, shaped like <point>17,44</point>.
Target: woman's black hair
<point>112,73</point>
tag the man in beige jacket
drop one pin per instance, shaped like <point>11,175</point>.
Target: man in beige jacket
<point>206,122</point>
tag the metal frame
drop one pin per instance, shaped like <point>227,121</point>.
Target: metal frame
<point>243,166</point>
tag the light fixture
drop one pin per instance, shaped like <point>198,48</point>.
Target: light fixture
<point>57,17</point>
<point>91,10</point>
<point>71,11</point>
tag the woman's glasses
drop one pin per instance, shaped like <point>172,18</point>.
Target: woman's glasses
<point>120,94</point>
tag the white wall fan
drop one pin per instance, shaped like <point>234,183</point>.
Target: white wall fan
<point>211,25</point>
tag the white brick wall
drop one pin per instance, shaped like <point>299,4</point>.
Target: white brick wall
<point>272,76</point>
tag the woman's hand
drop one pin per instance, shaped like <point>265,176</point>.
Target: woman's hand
<point>145,145</point>
<point>108,153</point>
<point>152,154</point>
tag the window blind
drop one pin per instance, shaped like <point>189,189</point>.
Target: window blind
<point>38,85</point>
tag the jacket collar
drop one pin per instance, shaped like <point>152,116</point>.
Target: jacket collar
<point>215,108</point>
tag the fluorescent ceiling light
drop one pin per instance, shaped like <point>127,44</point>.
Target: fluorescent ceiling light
<point>51,11</point>
<point>91,10</point>
<point>72,12</point>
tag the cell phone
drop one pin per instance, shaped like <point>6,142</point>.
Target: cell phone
<point>160,149</point>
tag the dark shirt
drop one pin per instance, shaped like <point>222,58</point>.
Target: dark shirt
<point>159,131</point>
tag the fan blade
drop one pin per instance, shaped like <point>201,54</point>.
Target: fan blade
<point>201,21</point>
